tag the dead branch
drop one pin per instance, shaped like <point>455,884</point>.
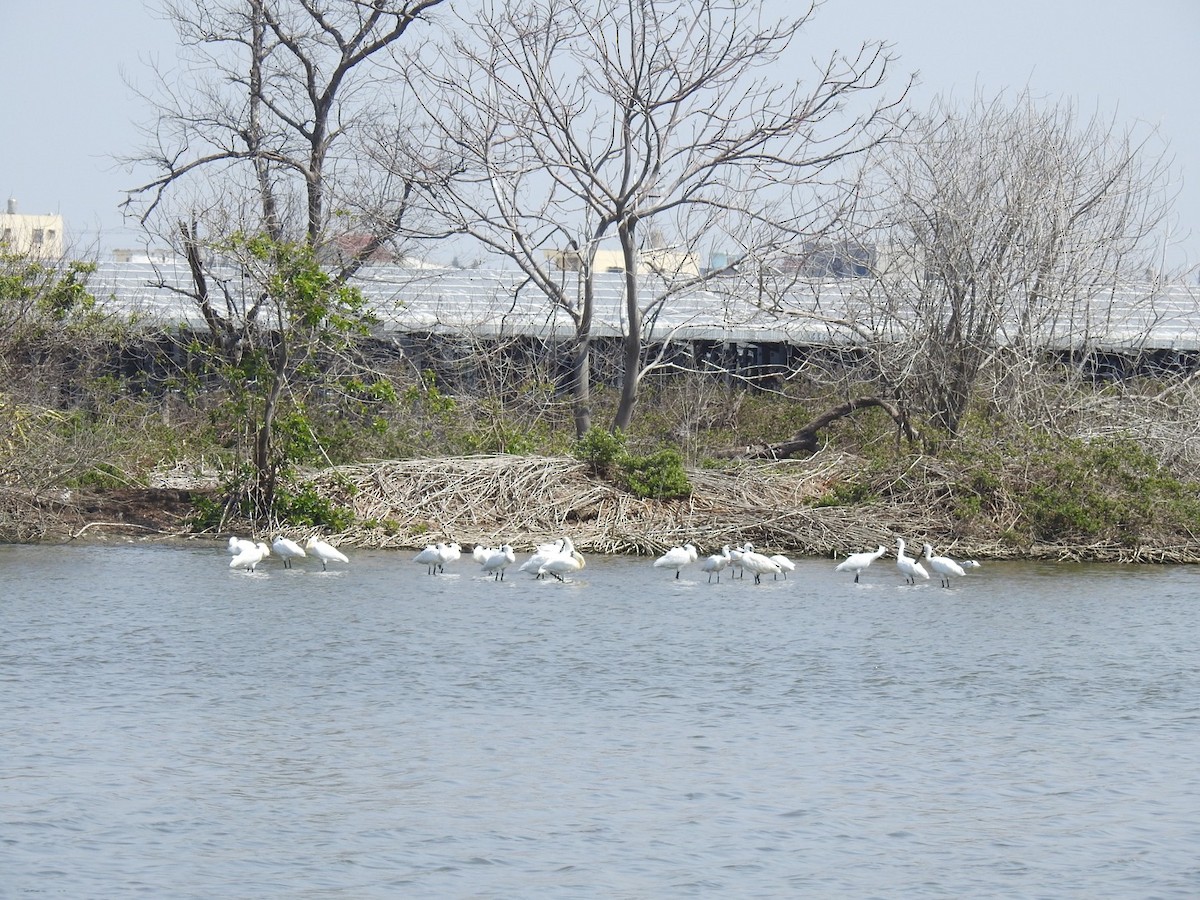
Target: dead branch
<point>807,439</point>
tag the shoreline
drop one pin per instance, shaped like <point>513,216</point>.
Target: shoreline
<point>526,501</point>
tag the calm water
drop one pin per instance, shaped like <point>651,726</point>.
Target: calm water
<point>175,729</point>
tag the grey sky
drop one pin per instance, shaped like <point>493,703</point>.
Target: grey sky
<point>68,113</point>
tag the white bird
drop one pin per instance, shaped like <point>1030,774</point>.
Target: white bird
<point>481,553</point>
<point>735,559</point>
<point>562,565</point>
<point>430,558</point>
<point>943,565</point>
<point>969,564</point>
<point>448,553</point>
<point>238,545</point>
<point>568,560</point>
<point>909,568</point>
<point>676,558</point>
<point>716,564</point>
<point>499,561</point>
<point>543,554</point>
<point>759,564</point>
<point>785,564</point>
<point>250,557</point>
<point>856,562</point>
<point>287,550</point>
<point>326,553</point>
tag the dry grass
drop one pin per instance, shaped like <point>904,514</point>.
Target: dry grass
<point>525,501</point>
<point>528,500</point>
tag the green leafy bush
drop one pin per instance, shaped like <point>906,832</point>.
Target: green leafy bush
<point>102,475</point>
<point>659,476</point>
<point>602,451</point>
<point>307,509</point>
<point>1114,490</point>
<point>207,513</point>
<point>848,493</point>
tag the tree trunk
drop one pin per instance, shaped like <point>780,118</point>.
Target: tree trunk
<point>266,469</point>
<point>581,360</point>
<point>581,387</point>
<point>631,356</point>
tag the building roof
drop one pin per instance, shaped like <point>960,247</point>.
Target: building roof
<point>494,304</point>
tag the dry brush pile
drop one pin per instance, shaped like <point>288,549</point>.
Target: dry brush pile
<point>527,500</point>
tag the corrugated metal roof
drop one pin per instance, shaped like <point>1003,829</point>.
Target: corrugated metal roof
<point>497,304</point>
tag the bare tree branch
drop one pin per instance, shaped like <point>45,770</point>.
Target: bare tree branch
<point>646,130</point>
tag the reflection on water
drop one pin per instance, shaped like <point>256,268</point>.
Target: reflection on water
<point>180,730</point>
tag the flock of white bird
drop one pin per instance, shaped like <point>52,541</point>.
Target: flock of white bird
<point>738,560</point>
<point>909,567</point>
<point>248,554</point>
<point>560,559</point>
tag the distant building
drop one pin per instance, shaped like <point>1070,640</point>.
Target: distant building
<point>815,259</point>
<point>841,259</point>
<point>655,258</point>
<point>658,260</point>
<point>143,255</point>
<point>40,236</point>
<point>347,247</point>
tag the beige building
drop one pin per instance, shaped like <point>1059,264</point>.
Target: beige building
<point>31,235</point>
<point>656,258</point>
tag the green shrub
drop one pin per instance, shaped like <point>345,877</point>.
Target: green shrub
<point>302,507</point>
<point>601,451</point>
<point>1072,489</point>
<point>206,513</point>
<point>848,493</point>
<point>504,438</point>
<point>659,476</point>
<point>307,509</point>
<point>103,475</point>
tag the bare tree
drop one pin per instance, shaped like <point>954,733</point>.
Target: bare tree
<point>264,185</point>
<point>1006,228</point>
<point>264,127</point>
<point>634,135</point>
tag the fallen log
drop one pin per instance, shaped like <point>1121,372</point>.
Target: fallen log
<point>807,439</point>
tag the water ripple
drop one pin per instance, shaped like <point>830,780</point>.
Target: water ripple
<point>179,730</point>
